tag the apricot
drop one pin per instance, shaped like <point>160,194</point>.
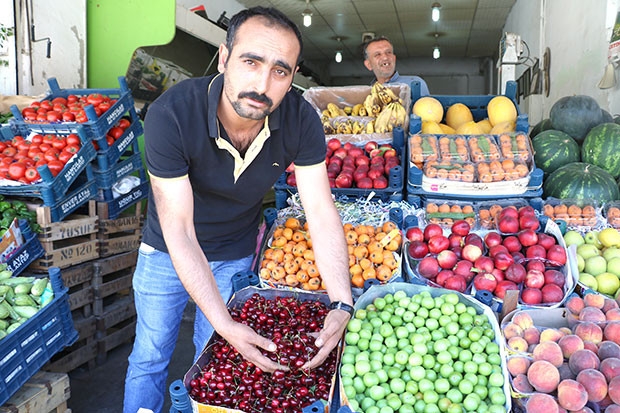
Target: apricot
<point>595,384</point>
<point>610,367</point>
<point>594,300</point>
<point>612,331</point>
<point>572,395</point>
<point>583,359</point>
<point>589,331</point>
<point>614,389</point>
<point>518,344</point>
<point>531,335</point>
<point>523,320</point>
<point>541,403</point>
<point>569,344</point>
<point>607,349</point>
<point>593,314</point>
<point>518,365</point>
<point>549,351</point>
<point>543,376</point>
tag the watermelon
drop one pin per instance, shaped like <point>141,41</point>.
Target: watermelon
<point>554,148</point>
<point>543,125</point>
<point>601,147</point>
<point>575,115</point>
<point>581,180</point>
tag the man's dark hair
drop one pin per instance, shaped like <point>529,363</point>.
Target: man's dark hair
<point>273,16</point>
<point>371,41</point>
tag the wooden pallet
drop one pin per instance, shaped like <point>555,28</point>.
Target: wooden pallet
<point>68,242</point>
<point>82,353</point>
<point>121,234</point>
<point>116,326</point>
<point>113,276</point>
<point>79,280</point>
<point>45,392</point>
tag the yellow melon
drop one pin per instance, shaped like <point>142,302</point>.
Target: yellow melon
<point>501,109</point>
<point>485,125</point>
<point>431,127</point>
<point>447,129</point>
<point>503,127</point>
<point>428,109</point>
<point>469,128</point>
<point>457,114</point>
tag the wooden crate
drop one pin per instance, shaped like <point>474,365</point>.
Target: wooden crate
<point>113,276</point>
<point>68,242</point>
<point>82,353</point>
<point>121,234</point>
<point>116,326</point>
<point>45,392</point>
<point>79,280</point>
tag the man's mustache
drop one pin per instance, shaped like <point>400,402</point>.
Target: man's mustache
<point>255,96</point>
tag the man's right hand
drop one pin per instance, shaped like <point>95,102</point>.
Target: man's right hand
<point>247,343</point>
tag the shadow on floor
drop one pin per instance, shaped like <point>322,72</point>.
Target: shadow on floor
<point>101,389</point>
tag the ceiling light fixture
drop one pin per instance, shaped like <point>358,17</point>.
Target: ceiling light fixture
<point>338,56</point>
<point>307,15</point>
<point>435,11</point>
<point>436,51</point>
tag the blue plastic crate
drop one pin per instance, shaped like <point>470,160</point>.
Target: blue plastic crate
<point>106,178</point>
<point>51,188</point>
<point>96,126</point>
<point>117,205</point>
<point>31,345</point>
<point>78,195</point>
<point>27,253</point>
<point>108,155</point>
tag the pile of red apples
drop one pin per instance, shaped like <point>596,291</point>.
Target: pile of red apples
<point>516,256</point>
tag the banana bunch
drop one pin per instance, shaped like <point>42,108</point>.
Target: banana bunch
<point>347,127</point>
<point>384,94</point>
<point>393,114</point>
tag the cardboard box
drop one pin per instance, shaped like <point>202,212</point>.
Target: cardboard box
<point>11,241</point>
<point>149,76</point>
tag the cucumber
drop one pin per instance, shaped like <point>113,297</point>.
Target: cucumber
<point>25,311</point>
<point>22,289</point>
<point>38,286</point>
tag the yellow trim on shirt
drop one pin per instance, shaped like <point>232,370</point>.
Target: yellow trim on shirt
<point>176,178</point>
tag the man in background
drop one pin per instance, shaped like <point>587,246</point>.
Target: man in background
<point>379,58</point>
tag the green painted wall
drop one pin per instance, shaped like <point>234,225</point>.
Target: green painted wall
<point>116,28</point>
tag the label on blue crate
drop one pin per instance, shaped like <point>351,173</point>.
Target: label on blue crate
<point>74,168</point>
<point>130,198</point>
<point>18,261</point>
<point>77,200</point>
<point>113,116</point>
<point>125,142</point>
<point>125,169</point>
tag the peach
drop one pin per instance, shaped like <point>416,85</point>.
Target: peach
<point>550,351</point>
<point>565,330</point>
<point>521,384</point>
<point>518,365</point>
<point>575,304</point>
<point>594,300</point>
<point>583,359</point>
<point>613,408</point>
<point>610,305</point>
<point>593,314</point>
<point>592,346</point>
<point>610,367</point>
<point>612,331</point>
<point>517,344</point>
<point>511,330</point>
<point>589,331</point>
<point>531,335</point>
<point>607,349</point>
<point>566,372</point>
<point>595,384</point>
<point>541,403</point>
<point>523,320</point>
<point>572,395</point>
<point>551,334</point>
<point>614,389</point>
<point>569,344</point>
<point>613,314</point>
<point>543,376</point>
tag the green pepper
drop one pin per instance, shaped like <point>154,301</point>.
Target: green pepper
<point>19,205</point>
<point>4,205</point>
<point>9,213</point>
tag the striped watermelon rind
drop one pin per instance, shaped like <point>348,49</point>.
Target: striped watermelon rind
<point>601,147</point>
<point>554,148</point>
<point>580,180</point>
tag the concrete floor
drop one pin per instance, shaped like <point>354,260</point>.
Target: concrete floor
<point>101,389</point>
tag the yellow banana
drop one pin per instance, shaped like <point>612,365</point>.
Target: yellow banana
<point>328,128</point>
<point>347,110</point>
<point>333,110</point>
<point>369,104</point>
<point>357,127</point>
<point>326,113</point>
<point>355,111</point>
<point>370,127</point>
<point>362,111</point>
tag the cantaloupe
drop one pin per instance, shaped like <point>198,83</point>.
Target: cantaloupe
<point>503,127</point>
<point>447,129</point>
<point>431,127</point>
<point>457,114</point>
<point>428,109</point>
<point>501,109</point>
<point>485,125</point>
<point>469,128</point>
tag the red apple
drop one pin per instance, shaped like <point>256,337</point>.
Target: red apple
<point>475,239</point>
<point>515,273</point>
<point>503,260</point>
<point>535,265</point>
<point>362,160</point>
<point>529,222</point>
<point>527,237</point>
<point>374,172</point>
<point>414,234</point>
<point>431,230</point>
<point>456,283</point>
<point>343,181</point>
<point>389,165</point>
<point>498,274</point>
<point>438,243</point>
<point>356,152</point>
<point>555,277</point>
<point>508,211</point>
<point>464,268</point>
<point>534,279</point>
<point>552,293</point>
<point>503,286</point>
<point>333,144</point>
<point>417,249</point>
<point>527,210</point>
<point>508,225</point>
<point>492,239</point>
<point>447,259</point>
<point>443,275</point>
<point>380,182</point>
<point>512,243</point>
<point>496,249</point>
<point>484,264</point>
<point>460,227</point>
<point>428,267</point>
<point>456,241</point>
<point>546,240</point>
<point>471,252</point>
<point>348,146</point>
<point>518,256</point>
<point>359,173</point>
<point>557,254</point>
<point>390,152</point>
<point>340,153</point>
<point>536,251</point>
<point>485,281</point>
<point>364,183</point>
<point>370,145</point>
<point>531,296</point>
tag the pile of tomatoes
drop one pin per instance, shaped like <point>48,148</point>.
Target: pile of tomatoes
<point>69,109</point>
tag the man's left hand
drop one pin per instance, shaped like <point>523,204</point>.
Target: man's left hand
<point>328,338</point>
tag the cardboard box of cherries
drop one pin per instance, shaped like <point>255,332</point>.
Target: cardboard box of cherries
<point>523,252</point>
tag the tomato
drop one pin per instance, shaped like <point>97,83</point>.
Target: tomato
<point>124,123</point>
<point>17,170</point>
<point>29,111</point>
<point>37,156</point>
<point>109,140</point>
<point>48,138</point>
<point>72,99</point>
<point>55,166</point>
<point>42,117</point>
<point>59,143</point>
<point>35,105</point>
<point>60,108</point>
<point>23,153</point>
<point>36,138</point>
<point>60,100</point>
<point>103,106</point>
<point>68,117</point>
<point>40,162</point>
<point>81,117</point>
<point>51,154</point>
<point>34,149</point>
<point>7,160</point>
<point>73,139</point>
<point>94,99</point>
<point>46,104</point>
<point>31,174</point>
<point>71,149</point>
<point>45,146</point>
<point>27,161</point>
<point>23,145</point>
<point>53,116</point>
<point>64,156</point>
<point>3,146</point>
<point>4,170</point>
<point>98,111</point>
<point>9,151</point>
<point>116,132</point>
<point>95,145</point>
<point>30,116</point>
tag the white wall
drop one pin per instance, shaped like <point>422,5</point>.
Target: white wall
<point>8,79</point>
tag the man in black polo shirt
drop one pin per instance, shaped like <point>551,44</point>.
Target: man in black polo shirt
<point>214,146</point>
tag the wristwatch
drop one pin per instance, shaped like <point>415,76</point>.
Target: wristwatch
<point>339,305</point>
